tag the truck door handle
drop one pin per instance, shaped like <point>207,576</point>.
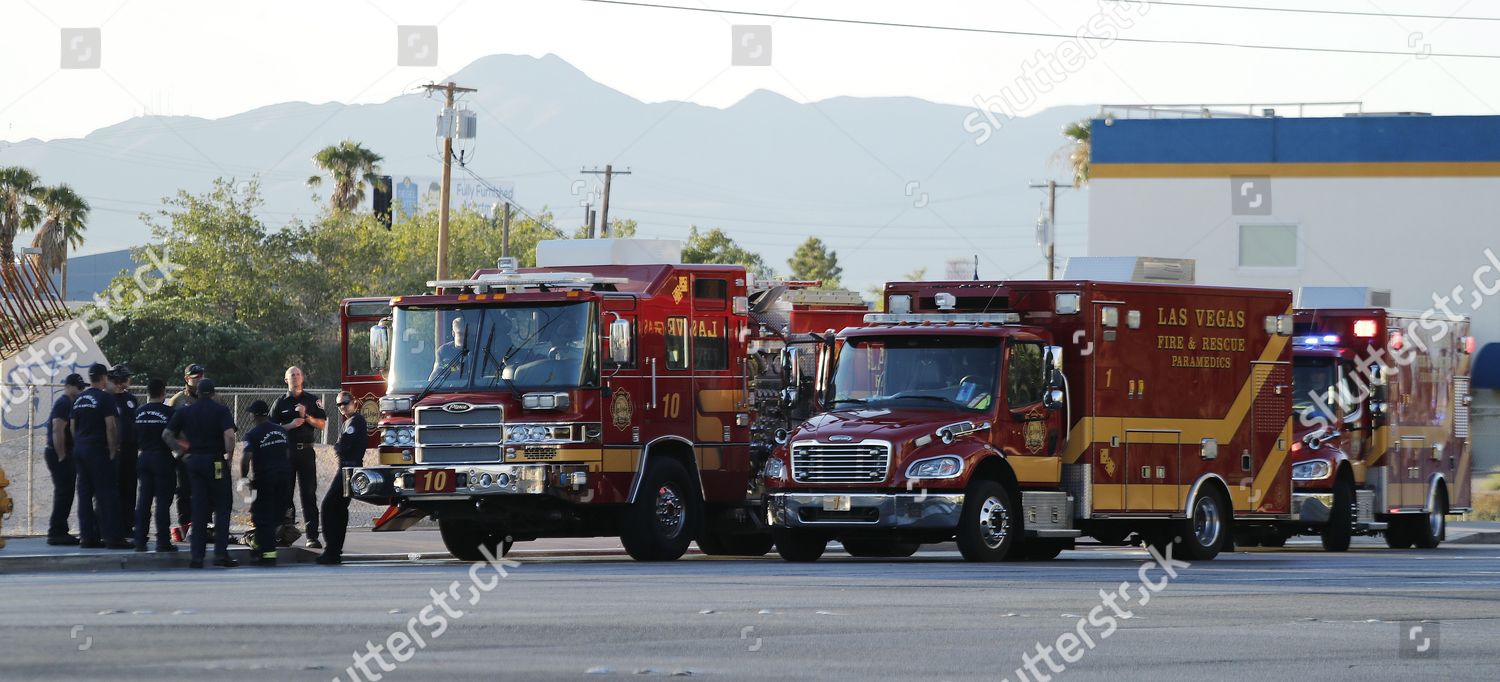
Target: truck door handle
<point>653,383</point>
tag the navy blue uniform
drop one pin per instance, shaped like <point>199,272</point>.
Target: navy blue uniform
<point>203,425</point>
<point>156,473</point>
<point>126,459</point>
<point>98,492</point>
<point>266,445</point>
<point>179,400</point>
<point>351,452</point>
<point>303,457</point>
<point>64,469</point>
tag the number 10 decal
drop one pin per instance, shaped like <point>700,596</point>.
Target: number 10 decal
<point>672,405</point>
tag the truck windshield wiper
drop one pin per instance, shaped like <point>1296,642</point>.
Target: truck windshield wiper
<point>937,398</point>
<point>851,401</point>
<point>441,376</point>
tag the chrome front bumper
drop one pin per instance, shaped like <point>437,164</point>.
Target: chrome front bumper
<point>470,480</point>
<point>864,510</point>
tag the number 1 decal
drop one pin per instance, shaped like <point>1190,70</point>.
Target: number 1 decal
<point>1108,377</point>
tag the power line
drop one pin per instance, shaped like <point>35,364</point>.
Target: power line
<point>1040,34</point>
<point>1303,10</point>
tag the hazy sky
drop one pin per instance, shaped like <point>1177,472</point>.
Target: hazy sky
<point>212,59</point>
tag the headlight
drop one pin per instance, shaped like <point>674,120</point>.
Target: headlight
<point>524,434</point>
<point>395,404</point>
<point>1311,471</point>
<point>775,470</point>
<point>946,466</point>
<point>399,436</point>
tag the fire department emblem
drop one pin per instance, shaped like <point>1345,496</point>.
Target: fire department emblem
<point>621,409</point>
<point>1036,436</point>
<point>1108,462</point>
<point>681,290</point>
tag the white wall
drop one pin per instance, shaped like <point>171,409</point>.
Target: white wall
<point>1415,236</point>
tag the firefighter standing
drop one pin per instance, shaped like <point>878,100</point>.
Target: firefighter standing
<point>96,442</point>
<point>302,415</point>
<point>126,460</point>
<point>208,428</point>
<point>351,453</point>
<point>157,469</point>
<point>266,447</point>
<point>60,462</point>
<point>191,375</point>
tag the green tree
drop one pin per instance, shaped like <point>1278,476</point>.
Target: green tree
<point>351,165</point>
<point>813,260</point>
<point>18,212</point>
<point>716,247</point>
<point>619,228</point>
<point>1079,134</point>
<point>65,217</point>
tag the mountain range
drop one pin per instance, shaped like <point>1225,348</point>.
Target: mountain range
<point>891,184</point>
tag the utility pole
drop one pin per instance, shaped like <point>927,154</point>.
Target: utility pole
<point>588,219</point>
<point>449,89</point>
<point>1050,248</point>
<point>608,173</point>
<point>502,216</point>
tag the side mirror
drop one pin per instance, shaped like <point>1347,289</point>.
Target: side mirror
<point>620,351</point>
<point>789,397</point>
<point>380,346</point>
<point>791,365</point>
<point>1054,358</point>
<point>1053,399</point>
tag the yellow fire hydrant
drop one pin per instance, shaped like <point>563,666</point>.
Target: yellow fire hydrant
<point>6,505</point>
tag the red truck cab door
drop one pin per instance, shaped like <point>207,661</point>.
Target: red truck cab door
<point>360,377</point>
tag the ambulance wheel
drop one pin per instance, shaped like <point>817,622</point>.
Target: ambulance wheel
<point>875,549</point>
<point>469,540</point>
<point>1340,527</point>
<point>989,526</point>
<point>665,516</point>
<point>1429,529</point>
<point>798,545</point>
<point>1204,532</point>
<point>753,544</point>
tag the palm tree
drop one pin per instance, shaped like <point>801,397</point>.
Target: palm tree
<point>351,165</point>
<point>18,212</point>
<point>64,214</point>
<point>1078,133</point>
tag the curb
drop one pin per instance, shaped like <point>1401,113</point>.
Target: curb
<point>1487,537</point>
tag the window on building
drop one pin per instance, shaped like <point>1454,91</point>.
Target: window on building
<point>1268,246</point>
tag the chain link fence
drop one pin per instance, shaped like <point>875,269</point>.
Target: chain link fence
<point>23,433</point>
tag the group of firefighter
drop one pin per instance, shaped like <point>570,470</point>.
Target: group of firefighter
<point>125,460</point>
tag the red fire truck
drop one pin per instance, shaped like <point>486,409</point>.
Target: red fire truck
<point>1382,405</point>
<point>1017,416</point>
<point>610,391</point>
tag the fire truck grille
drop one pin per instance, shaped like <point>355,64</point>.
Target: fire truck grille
<point>455,437</point>
<point>837,463</point>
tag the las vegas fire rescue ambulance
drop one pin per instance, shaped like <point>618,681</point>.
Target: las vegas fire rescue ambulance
<point>1017,416</point>
<point>610,391</point>
<point>1382,406</point>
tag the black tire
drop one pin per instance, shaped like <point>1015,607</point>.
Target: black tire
<point>1276,541</point>
<point>1206,530</point>
<point>464,538</point>
<point>798,545</point>
<point>1043,550</point>
<point>989,527</point>
<point>1245,539</point>
<point>1428,531</point>
<point>752,544</point>
<point>665,516</point>
<point>876,549</point>
<point>1341,518</point>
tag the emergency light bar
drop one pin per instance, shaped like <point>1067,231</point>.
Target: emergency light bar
<point>512,281</point>
<point>943,318</point>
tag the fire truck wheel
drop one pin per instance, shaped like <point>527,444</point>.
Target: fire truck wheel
<point>717,544</point>
<point>665,516</point>
<point>798,546</point>
<point>990,524</point>
<point>468,540</point>
<point>1428,529</point>
<point>1398,533</point>
<point>1203,533</point>
<point>875,549</point>
<point>1340,527</point>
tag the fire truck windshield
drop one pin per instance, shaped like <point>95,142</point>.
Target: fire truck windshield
<point>1317,387</point>
<point>915,371</point>
<point>513,347</point>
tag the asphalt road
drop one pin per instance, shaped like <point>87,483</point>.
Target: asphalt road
<point>1292,614</point>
